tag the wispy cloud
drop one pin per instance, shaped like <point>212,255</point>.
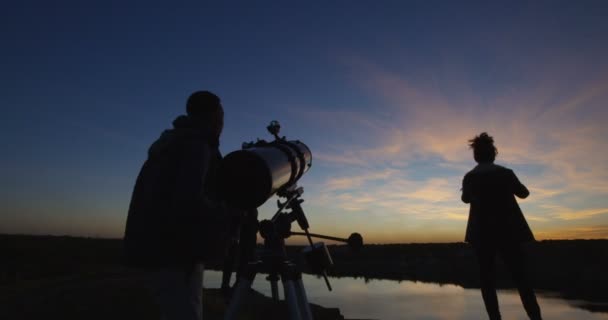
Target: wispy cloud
<point>357,181</point>
<point>434,190</point>
<point>574,214</point>
<point>588,232</point>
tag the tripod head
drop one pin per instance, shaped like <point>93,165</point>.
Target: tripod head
<point>279,227</point>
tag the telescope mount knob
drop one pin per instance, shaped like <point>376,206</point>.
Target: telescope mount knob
<point>274,127</point>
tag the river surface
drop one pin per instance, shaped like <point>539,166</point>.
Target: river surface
<point>389,300</point>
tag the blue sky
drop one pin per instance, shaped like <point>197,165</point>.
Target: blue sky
<point>386,95</point>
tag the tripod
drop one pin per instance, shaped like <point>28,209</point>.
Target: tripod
<point>278,267</point>
<point>274,260</point>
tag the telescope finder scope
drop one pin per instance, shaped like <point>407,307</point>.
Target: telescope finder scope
<point>250,176</point>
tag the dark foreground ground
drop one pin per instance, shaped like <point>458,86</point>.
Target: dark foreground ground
<point>116,295</point>
<point>45,277</point>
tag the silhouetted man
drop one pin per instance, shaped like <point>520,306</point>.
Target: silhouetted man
<point>175,222</point>
<point>496,224</point>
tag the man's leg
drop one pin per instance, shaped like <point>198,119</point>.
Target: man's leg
<point>247,243</point>
<point>196,290</point>
<point>514,259</point>
<point>178,292</point>
<point>229,261</point>
<point>486,258</point>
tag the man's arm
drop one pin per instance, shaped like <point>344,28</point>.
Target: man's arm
<point>187,199</point>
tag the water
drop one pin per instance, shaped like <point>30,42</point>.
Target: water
<point>388,299</point>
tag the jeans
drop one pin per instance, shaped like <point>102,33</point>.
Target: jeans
<point>179,291</point>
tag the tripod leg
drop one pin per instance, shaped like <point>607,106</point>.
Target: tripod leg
<point>241,292</point>
<point>302,298</point>
<point>291,298</point>
<point>238,296</point>
<point>274,289</point>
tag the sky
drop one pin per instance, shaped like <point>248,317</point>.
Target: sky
<point>386,95</point>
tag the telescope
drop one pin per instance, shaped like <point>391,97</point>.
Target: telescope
<point>248,177</point>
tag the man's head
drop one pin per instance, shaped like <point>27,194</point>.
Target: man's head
<point>483,148</point>
<point>206,107</point>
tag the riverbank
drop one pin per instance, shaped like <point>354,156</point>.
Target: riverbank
<point>574,269</point>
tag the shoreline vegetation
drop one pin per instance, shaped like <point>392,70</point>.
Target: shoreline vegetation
<point>73,276</point>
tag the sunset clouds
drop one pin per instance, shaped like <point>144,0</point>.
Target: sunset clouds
<point>415,152</point>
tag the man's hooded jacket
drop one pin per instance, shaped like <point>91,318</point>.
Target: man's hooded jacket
<point>174,217</point>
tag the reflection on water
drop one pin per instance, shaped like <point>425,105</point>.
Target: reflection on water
<point>387,299</point>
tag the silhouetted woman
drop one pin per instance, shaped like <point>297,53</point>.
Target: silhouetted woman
<point>496,224</point>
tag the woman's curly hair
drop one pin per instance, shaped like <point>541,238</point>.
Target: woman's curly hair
<point>483,148</point>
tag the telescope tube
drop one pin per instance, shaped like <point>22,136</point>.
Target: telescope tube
<point>250,176</point>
